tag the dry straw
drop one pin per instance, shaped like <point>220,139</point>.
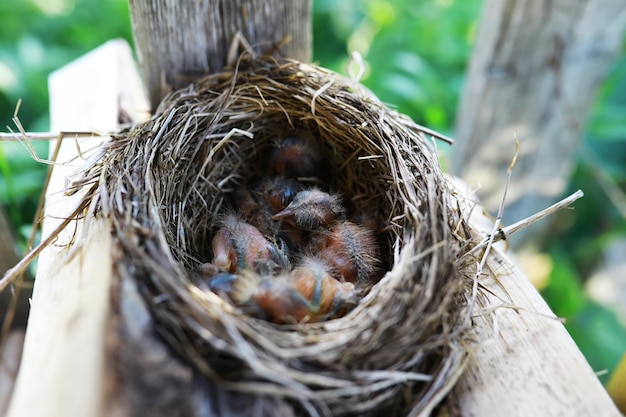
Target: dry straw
<point>162,183</point>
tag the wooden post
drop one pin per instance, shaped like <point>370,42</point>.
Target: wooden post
<point>180,40</point>
<point>534,73</point>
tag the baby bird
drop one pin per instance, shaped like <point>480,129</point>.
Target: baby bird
<point>266,198</point>
<point>312,209</point>
<point>275,299</point>
<point>306,294</point>
<point>351,251</point>
<point>327,296</point>
<point>238,245</point>
<point>295,157</point>
<point>276,192</point>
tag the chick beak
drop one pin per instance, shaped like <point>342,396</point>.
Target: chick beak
<point>222,260</point>
<point>287,215</point>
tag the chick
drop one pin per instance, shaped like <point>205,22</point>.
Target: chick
<point>257,205</point>
<point>295,157</point>
<point>272,298</point>
<point>277,192</point>
<point>326,295</point>
<point>306,294</point>
<point>351,250</point>
<point>312,209</point>
<point>280,302</point>
<point>254,208</point>
<point>238,245</point>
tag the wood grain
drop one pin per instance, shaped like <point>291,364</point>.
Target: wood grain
<point>524,362</point>
<point>178,41</point>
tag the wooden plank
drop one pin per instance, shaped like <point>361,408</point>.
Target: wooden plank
<point>63,366</point>
<point>523,362</point>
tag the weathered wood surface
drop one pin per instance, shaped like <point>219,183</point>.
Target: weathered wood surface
<point>523,362</point>
<point>180,40</point>
<point>534,73</point>
<point>63,371</point>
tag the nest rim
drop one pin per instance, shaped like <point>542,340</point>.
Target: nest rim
<point>339,366</point>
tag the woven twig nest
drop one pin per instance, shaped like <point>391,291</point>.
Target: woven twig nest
<point>164,183</point>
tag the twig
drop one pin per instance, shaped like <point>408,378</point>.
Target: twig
<point>505,232</point>
<point>233,51</point>
<point>19,278</point>
<point>36,136</point>
<point>491,238</point>
<point>14,272</point>
<point>435,134</point>
<point>318,93</point>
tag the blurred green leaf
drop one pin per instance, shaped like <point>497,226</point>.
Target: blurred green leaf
<point>608,122</point>
<point>599,335</point>
<point>416,51</point>
<point>37,37</point>
<point>595,329</point>
<point>564,291</point>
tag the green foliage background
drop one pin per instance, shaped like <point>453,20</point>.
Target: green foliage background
<point>416,55</point>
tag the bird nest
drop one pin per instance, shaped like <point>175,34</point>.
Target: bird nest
<point>165,183</point>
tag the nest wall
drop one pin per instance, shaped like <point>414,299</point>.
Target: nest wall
<point>164,182</point>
